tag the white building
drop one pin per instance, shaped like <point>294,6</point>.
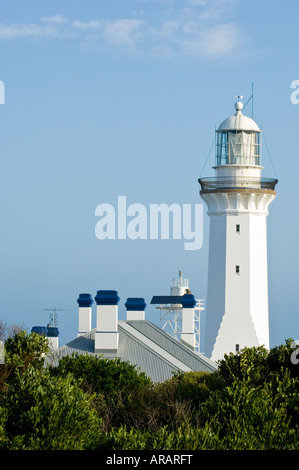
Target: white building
<point>174,319</point>
<point>135,340</point>
<point>237,199</point>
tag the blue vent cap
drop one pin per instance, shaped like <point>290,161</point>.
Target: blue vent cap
<point>85,300</point>
<point>135,303</point>
<point>188,301</point>
<point>107,297</point>
<point>49,331</point>
<point>40,330</point>
<point>52,331</point>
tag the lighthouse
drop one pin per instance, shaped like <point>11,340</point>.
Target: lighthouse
<point>237,200</point>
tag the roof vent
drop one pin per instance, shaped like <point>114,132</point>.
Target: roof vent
<point>135,308</point>
<point>188,302</point>
<point>106,336</point>
<point>85,302</point>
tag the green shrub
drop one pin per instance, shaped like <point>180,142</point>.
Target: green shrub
<point>88,402</point>
<point>48,413</point>
<point>25,349</point>
<point>119,387</point>
<point>248,364</point>
<point>21,351</point>
<point>248,417</point>
<point>102,375</point>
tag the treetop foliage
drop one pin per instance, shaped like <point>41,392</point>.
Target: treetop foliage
<point>91,402</point>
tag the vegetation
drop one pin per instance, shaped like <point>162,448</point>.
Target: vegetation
<point>91,403</point>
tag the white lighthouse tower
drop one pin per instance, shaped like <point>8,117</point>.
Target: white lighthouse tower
<point>237,198</point>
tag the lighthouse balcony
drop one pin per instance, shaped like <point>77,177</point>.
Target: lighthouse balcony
<point>237,182</point>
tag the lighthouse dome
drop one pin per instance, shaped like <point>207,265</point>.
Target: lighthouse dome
<point>239,121</point>
<point>238,140</point>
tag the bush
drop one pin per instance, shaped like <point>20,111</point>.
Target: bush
<point>88,402</point>
<point>249,364</point>
<point>101,375</point>
<point>47,413</point>
<point>176,401</point>
<point>21,351</point>
<point>247,417</point>
<point>118,387</point>
<point>24,349</point>
<point>279,359</point>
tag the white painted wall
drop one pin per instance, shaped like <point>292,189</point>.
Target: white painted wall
<point>188,333</point>
<point>107,336</point>
<point>107,317</point>
<point>237,304</point>
<point>53,342</point>
<point>259,278</point>
<point>84,320</point>
<point>135,315</point>
<point>215,306</point>
<point>238,170</point>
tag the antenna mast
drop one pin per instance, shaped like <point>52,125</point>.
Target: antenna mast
<point>250,98</point>
<point>53,315</point>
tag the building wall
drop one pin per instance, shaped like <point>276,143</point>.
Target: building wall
<point>237,300</point>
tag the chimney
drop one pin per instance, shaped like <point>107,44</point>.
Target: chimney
<point>106,336</point>
<point>188,302</point>
<point>50,332</point>
<point>135,308</point>
<point>85,302</point>
<point>52,337</point>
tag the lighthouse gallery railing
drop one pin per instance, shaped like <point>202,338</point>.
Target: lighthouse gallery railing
<point>226,182</point>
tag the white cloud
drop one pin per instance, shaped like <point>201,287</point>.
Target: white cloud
<point>167,30</point>
<point>122,31</point>
<point>219,41</point>
<point>162,50</point>
<point>49,26</point>
<point>14,31</point>
<point>198,3</point>
<point>200,27</point>
<point>56,19</point>
<point>88,25</point>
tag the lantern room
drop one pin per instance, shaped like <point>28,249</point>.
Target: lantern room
<point>238,140</point>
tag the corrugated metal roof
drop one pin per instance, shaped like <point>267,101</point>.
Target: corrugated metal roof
<point>148,355</point>
<point>147,347</point>
<point>192,359</point>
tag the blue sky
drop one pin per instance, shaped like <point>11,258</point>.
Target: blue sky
<point>122,98</point>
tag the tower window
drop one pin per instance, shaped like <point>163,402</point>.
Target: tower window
<point>237,269</point>
<point>238,228</point>
<point>237,347</point>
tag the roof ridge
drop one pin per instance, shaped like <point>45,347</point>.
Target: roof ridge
<point>174,341</point>
<point>154,347</point>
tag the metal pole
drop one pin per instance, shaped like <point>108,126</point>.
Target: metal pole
<point>252,100</point>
